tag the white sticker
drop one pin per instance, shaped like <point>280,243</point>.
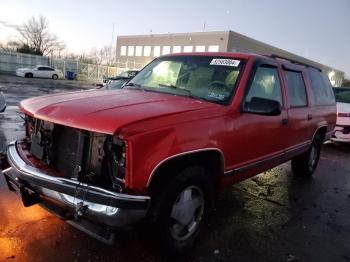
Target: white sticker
<point>216,96</point>
<point>225,62</point>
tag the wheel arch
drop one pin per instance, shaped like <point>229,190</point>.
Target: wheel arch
<point>210,158</point>
<point>322,131</point>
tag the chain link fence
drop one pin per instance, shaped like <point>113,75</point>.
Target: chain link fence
<point>10,61</point>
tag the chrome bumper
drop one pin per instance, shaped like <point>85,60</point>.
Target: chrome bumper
<point>81,200</point>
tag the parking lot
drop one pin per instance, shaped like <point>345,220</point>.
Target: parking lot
<point>271,217</point>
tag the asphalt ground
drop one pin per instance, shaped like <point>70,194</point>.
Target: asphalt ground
<point>271,217</point>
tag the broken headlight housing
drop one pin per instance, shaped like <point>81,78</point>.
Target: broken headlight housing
<point>115,161</point>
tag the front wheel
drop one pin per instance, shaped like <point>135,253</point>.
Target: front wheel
<point>28,75</point>
<point>306,164</point>
<point>55,77</point>
<point>181,208</point>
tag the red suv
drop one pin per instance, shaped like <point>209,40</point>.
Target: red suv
<point>184,126</point>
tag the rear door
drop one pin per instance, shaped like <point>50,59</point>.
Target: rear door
<point>300,119</point>
<point>39,72</point>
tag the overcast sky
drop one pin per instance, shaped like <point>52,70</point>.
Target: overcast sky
<point>316,29</point>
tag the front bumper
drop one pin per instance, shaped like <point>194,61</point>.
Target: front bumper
<point>71,199</point>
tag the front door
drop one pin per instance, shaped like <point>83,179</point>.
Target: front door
<point>259,138</point>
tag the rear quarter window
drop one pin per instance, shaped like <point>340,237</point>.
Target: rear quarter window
<point>321,88</point>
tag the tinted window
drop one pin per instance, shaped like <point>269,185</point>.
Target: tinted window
<point>296,89</point>
<point>321,88</point>
<point>342,95</point>
<point>266,84</point>
<point>43,68</point>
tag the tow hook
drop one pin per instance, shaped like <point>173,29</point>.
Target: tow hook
<point>80,210</point>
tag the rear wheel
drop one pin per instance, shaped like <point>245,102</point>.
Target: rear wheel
<point>28,75</point>
<point>54,77</point>
<point>306,164</point>
<point>180,209</point>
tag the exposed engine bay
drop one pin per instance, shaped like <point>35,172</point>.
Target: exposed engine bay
<point>91,158</point>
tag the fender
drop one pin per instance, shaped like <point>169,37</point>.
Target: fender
<point>183,154</point>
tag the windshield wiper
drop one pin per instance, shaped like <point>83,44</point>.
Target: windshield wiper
<point>178,88</point>
<point>134,85</point>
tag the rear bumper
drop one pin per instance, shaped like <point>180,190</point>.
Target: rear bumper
<point>341,134</point>
<point>79,200</point>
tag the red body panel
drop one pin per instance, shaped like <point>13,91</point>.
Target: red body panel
<point>159,126</point>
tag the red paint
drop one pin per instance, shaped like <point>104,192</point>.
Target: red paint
<point>157,126</point>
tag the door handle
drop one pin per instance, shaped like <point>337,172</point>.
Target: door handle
<point>285,121</point>
<point>309,117</point>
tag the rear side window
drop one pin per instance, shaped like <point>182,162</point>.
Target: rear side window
<point>266,84</point>
<point>296,89</point>
<point>321,88</point>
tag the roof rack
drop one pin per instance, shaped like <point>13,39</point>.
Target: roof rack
<point>294,61</point>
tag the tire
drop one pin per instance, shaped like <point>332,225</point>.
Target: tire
<point>54,77</point>
<point>180,209</point>
<point>306,164</point>
<point>28,75</point>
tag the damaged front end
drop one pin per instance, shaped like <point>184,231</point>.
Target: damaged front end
<point>76,174</point>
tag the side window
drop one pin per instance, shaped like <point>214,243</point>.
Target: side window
<point>296,89</point>
<point>321,88</point>
<point>41,68</point>
<point>266,84</point>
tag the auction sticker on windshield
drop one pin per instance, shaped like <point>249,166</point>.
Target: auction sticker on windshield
<point>225,62</point>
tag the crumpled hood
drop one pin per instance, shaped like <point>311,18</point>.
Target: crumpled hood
<point>107,111</point>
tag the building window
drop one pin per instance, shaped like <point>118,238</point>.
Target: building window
<point>156,51</point>
<point>188,49</point>
<point>200,48</point>
<point>138,51</point>
<point>147,51</point>
<point>176,49</point>
<point>166,50</point>
<point>213,48</point>
<point>131,50</point>
<point>123,50</point>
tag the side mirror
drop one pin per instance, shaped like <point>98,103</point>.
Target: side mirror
<point>262,106</point>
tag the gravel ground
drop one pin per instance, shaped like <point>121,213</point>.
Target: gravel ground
<point>271,217</point>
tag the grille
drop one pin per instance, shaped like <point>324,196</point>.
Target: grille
<point>58,146</point>
<point>66,152</point>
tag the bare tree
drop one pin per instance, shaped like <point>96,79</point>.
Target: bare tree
<point>102,56</point>
<point>9,46</point>
<point>35,34</point>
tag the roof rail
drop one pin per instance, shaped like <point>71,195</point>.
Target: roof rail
<point>293,61</point>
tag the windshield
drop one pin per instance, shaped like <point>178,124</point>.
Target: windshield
<point>342,96</point>
<point>205,77</point>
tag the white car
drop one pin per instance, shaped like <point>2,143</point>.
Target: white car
<point>342,129</point>
<point>40,71</point>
